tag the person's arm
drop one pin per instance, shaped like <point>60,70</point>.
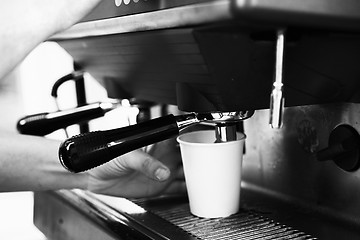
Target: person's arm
<point>29,163</point>
<point>25,24</point>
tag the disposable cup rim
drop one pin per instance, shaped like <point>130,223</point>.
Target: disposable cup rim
<point>203,144</point>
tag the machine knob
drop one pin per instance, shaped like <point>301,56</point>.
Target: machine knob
<point>343,148</point>
<point>118,2</point>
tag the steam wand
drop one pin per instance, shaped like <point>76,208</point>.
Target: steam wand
<point>85,151</point>
<point>277,99</point>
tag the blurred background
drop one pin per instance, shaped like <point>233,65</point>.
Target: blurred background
<point>27,91</point>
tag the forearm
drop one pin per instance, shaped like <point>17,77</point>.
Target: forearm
<point>30,163</point>
<point>25,24</point>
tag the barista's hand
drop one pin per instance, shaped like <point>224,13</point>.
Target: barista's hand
<point>138,174</point>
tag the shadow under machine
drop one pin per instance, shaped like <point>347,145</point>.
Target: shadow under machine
<point>293,63</point>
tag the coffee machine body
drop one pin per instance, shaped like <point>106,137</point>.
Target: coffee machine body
<point>223,56</point>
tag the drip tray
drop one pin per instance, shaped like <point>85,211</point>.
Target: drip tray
<point>82,215</point>
<point>244,225</point>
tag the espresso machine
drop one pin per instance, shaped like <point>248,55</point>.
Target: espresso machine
<point>285,71</point>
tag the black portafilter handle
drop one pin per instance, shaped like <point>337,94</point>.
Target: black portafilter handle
<point>89,150</point>
<point>42,124</point>
<point>85,151</point>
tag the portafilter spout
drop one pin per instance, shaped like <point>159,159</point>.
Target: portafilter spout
<point>225,132</point>
<point>85,151</point>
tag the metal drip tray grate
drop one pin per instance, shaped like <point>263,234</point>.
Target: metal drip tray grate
<point>246,225</point>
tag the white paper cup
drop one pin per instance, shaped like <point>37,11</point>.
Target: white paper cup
<point>212,173</point>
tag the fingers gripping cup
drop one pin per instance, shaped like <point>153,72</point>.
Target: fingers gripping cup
<point>212,173</point>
